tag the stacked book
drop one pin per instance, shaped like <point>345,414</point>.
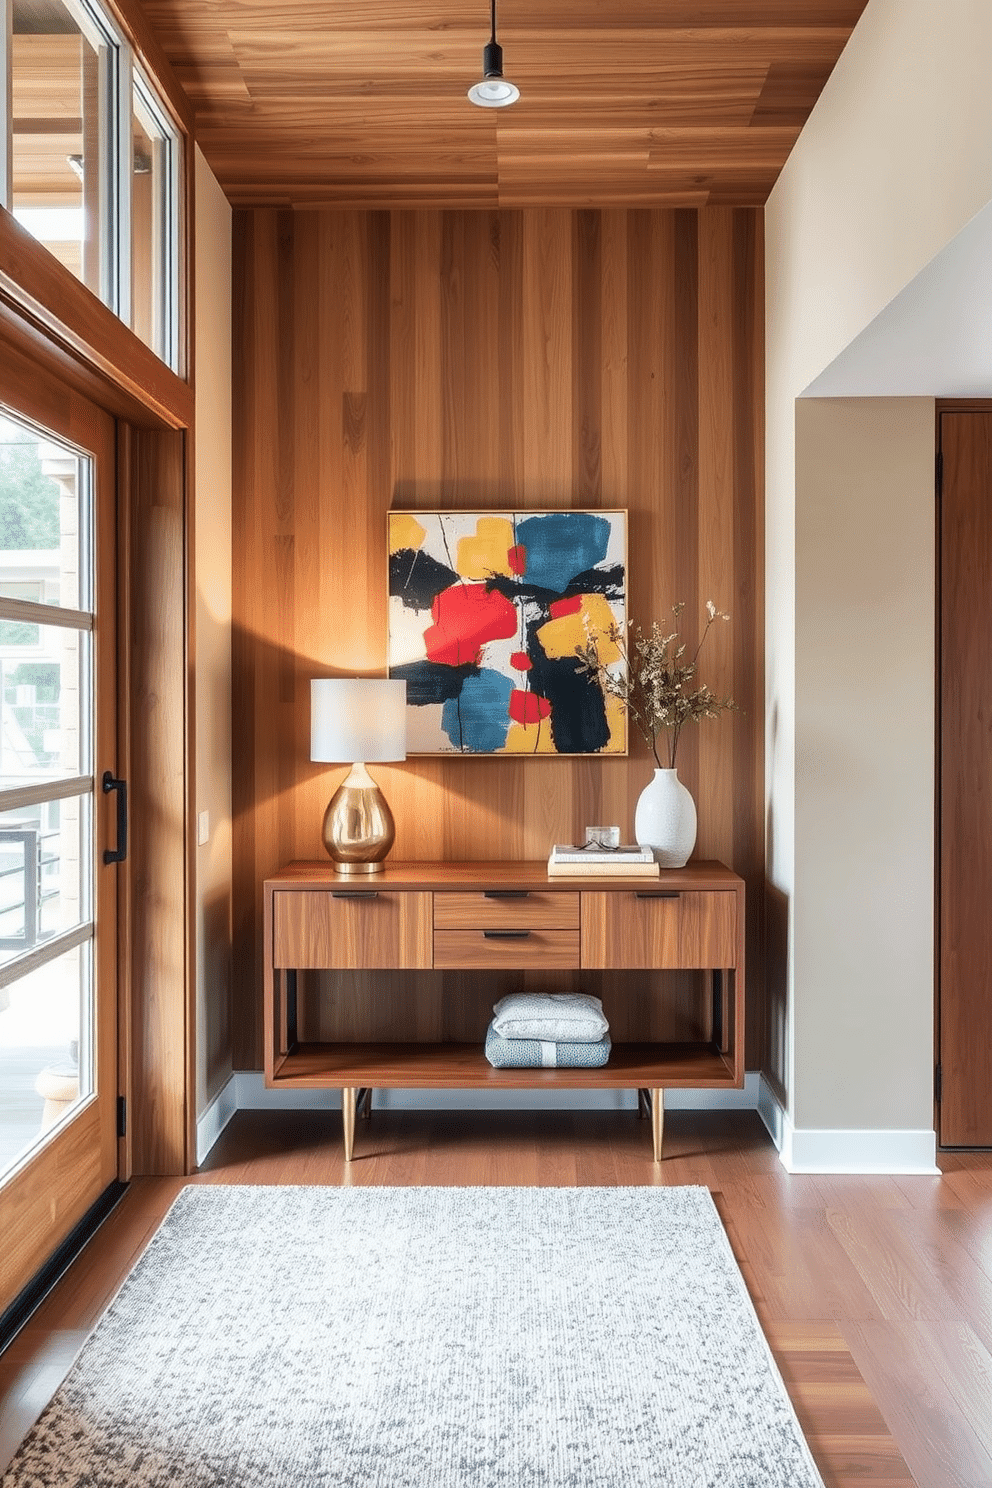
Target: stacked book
<point>569,861</point>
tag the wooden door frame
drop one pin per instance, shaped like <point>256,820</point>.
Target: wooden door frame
<point>941,406</point>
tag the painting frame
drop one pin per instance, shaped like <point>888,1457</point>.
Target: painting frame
<point>486,609</point>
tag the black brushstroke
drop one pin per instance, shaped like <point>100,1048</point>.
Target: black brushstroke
<point>431,681</point>
<point>578,708</point>
<point>607,581</point>
<point>417,579</point>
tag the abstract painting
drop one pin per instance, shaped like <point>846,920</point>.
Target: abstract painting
<point>486,610</point>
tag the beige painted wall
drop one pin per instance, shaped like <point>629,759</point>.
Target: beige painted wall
<point>894,160</point>
<point>213,631</point>
<point>864,763</point>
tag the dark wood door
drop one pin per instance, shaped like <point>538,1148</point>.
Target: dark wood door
<point>965,780</point>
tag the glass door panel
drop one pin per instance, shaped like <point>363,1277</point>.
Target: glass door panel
<point>58,931</point>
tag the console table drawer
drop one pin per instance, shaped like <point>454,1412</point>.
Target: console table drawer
<point>339,928</point>
<point>506,910</point>
<point>654,929</point>
<point>465,950</point>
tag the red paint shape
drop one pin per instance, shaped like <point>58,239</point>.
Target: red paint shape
<point>528,707</point>
<point>570,606</point>
<point>465,617</point>
<point>517,558</point>
<point>521,661</point>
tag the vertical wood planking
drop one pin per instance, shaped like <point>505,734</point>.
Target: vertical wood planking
<point>715,524</point>
<point>748,625</point>
<point>246,884</point>
<point>546,349</point>
<point>449,360</point>
<point>158,866</point>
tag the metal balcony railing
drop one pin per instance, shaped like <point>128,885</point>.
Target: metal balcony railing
<point>33,894</point>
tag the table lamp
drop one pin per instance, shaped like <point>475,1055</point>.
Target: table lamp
<point>358,720</point>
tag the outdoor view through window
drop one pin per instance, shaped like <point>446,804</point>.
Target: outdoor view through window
<point>46,785</point>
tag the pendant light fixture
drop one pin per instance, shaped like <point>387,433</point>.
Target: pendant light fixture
<point>494,91</point>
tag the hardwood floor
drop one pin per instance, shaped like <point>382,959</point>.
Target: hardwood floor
<point>875,1293</point>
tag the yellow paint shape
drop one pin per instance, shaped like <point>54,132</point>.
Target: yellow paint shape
<point>525,738</point>
<point>564,635</point>
<point>530,738</point>
<point>404,532</point>
<point>487,552</point>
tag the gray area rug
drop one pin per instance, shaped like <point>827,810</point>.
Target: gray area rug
<point>427,1338</point>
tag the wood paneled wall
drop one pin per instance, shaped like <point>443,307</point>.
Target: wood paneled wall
<point>475,360</point>
<point>158,946</point>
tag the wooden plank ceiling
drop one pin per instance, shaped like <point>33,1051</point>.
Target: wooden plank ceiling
<point>623,102</point>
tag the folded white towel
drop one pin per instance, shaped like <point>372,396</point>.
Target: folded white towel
<point>554,1017</point>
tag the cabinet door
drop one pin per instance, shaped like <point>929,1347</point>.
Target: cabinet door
<point>654,929</point>
<point>338,929</point>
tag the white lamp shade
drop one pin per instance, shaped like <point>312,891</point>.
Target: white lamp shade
<point>357,719</point>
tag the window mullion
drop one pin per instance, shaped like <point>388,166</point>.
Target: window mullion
<point>119,173</point>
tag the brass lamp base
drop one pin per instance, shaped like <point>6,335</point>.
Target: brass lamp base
<point>358,825</point>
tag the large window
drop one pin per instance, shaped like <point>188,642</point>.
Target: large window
<point>93,165</point>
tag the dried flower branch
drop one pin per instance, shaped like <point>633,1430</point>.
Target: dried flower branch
<point>655,686</point>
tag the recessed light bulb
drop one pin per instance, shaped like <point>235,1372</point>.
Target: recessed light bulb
<point>494,92</point>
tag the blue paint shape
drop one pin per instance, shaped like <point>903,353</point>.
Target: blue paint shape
<point>560,545</point>
<point>478,719</point>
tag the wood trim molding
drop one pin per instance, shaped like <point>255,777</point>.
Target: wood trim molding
<point>134,23</point>
<point>45,309</point>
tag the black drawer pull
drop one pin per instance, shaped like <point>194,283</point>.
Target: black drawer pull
<point>506,934</point>
<point>658,894</point>
<point>354,893</point>
<point>506,893</point>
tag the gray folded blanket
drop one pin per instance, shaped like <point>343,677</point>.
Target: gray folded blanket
<point>554,1017</point>
<point>520,1053</point>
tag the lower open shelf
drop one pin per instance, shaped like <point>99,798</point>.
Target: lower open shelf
<point>388,1066</point>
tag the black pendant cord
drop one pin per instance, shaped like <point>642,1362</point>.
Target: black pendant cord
<point>492,9</point>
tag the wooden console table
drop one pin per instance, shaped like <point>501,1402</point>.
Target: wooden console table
<point>446,919</point>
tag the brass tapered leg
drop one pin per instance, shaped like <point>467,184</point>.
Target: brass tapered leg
<point>657,1121</point>
<point>348,1120</point>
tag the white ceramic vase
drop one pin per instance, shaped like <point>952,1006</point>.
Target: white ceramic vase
<point>665,819</point>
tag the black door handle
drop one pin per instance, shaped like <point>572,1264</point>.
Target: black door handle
<point>506,934</point>
<point>111,783</point>
<point>354,893</point>
<point>657,894</point>
<point>506,893</point>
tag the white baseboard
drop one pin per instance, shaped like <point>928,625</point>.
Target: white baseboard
<point>246,1091</point>
<point>800,1150</point>
<point>807,1150</point>
<point>846,1150</point>
<point>716,1100</point>
<point>215,1117</point>
<point>254,1095</point>
<point>504,1100</point>
<point>772,1112</point>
